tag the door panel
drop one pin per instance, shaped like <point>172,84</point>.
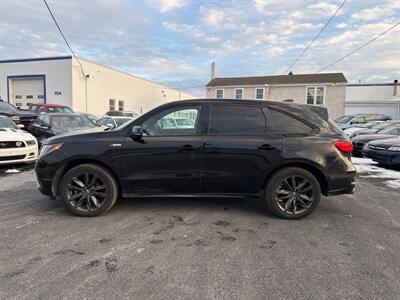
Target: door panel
<point>162,165</point>
<point>237,164</point>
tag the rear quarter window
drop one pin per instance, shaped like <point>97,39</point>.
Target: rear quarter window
<point>289,125</point>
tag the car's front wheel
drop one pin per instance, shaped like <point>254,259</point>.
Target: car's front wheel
<point>88,190</point>
<point>292,193</point>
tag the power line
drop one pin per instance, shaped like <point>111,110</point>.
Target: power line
<point>315,38</point>
<point>63,36</point>
<point>358,48</point>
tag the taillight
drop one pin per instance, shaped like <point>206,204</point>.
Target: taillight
<point>345,146</point>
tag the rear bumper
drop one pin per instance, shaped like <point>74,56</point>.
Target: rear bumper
<point>342,184</point>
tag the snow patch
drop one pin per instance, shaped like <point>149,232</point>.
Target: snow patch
<point>12,171</point>
<point>370,169</point>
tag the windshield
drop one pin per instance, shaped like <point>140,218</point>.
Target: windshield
<point>7,107</point>
<point>383,125</point>
<point>391,130</point>
<point>7,123</point>
<point>61,122</point>
<point>121,121</point>
<point>344,119</point>
<point>369,124</point>
<point>60,110</point>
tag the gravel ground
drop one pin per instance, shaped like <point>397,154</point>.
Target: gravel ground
<point>199,248</point>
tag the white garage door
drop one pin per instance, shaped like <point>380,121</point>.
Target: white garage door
<point>390,109</point>
<point>27,90</point>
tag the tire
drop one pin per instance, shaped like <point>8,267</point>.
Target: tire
<point>289,200</point>
<point>88,190</point>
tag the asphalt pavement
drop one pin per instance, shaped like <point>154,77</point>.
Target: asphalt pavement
<point>198,248</point>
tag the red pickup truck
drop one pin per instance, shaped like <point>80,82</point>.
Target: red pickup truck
<point>49,108</point>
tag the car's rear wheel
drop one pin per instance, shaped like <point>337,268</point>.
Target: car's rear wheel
<point>292,193</point>
<point>88,190</point>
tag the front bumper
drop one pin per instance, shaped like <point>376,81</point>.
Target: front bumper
<point>18,155</point>
<point>382,156</point>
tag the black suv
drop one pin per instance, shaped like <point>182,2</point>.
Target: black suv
<point>20,117</point>
<point>286,154</point>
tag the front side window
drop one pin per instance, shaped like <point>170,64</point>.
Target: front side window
<point>259,94</point>
<point>111,104</point>
<point>391,130</point>
<point>176,121</point>
<point>315,95</point>
<point>120,105</point>
<point>219,94</point>
<point>237,120</point>
<point>238,94</point>
<point>289,125</point>
<point>7,107</point>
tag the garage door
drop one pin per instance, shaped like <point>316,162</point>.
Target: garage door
<point>390,109</point>
<point>27,90</point>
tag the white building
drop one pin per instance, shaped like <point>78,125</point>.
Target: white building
<point>88,87</point>
<point>380,98</point>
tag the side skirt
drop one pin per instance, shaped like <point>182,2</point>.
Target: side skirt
<point>138,195</point>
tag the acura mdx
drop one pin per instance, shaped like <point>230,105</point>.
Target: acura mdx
<point>285,154</point>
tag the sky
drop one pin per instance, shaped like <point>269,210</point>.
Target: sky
<point>174,41</point>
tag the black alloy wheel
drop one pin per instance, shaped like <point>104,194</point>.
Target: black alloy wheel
<point>292,193</point>
<point>89,190</point>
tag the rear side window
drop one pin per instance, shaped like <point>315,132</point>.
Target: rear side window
<point>237,120</point>
<point>288,124</point>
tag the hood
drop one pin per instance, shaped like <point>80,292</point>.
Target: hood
<point>386,142</point>
<point>75,135</point>
<point>371,137</point>
<point>10,134</point>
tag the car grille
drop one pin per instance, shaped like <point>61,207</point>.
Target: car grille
<point>14,157</point>
<point>11,144</point>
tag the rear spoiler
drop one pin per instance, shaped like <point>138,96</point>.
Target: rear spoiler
<point>321,111</point>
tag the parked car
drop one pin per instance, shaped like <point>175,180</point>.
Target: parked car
<point>354,120</point>
<point>92,117</point>
<point>48,125</point>
<point>175,122</point>
<point>16,145</point>
<point>49,108</point>
<point>352,131</point>
<point>386,151</point>
<point>113,122</point>
<point>377,128</point>
<point>285,153</point>
<point>361,140</point>
<point>18,116</point>
<point>117,113</point>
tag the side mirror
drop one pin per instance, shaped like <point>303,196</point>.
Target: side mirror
<point>137,133</point>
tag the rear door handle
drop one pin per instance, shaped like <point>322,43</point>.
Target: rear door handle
<point>266,147</point>
<point>187,148</point>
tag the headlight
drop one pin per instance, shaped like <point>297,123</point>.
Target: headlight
<point>31,143</point>
<point>47,149</point>
<point>15,118</point>
<point>394,148</point>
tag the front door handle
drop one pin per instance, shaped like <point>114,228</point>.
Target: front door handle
<point>187,148</point>
<point>266,147</point>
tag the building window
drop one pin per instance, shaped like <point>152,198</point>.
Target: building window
<point>18,97</point>
<point>219,94</point>
<point>315,95</point>
<point>111,104</point>
<point>238,94</point>
<point>121,105</point>
<point>29,97</point>
<point>259,93</point>
<point>40,96</point>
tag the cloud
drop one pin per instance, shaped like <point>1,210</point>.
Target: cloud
<point>190,30</point>
<point>377,12</point>
<point>168,5</point>
<point>212,16</point>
